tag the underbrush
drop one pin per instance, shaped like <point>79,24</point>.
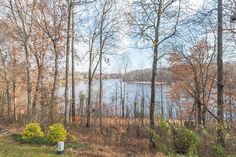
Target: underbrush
<point>181,141</point>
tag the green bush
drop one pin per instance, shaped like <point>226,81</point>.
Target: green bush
<point>218,150</point>
<point>165,126</point>
<point>32,131</point>
<point>57,133</point>
<point>32,140</point>
<point>185,141</point>
<point>32,134</point>
<point>162,138</point>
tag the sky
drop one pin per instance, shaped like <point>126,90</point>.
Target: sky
<point>139,58</point>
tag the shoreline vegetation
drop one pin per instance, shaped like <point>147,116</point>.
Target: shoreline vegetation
<point>62,81</point>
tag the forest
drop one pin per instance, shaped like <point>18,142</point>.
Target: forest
<point>117,78</point>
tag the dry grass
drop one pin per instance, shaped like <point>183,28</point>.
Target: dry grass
<point>119,137</point>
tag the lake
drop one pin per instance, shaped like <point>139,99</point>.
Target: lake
<point>134,90</point>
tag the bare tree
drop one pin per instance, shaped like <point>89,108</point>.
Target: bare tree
<point>73,64</point>
<point>109,27</point>
<point>52,11</point>
<point>22,19</point>
<point>220,73</point>
<point>147,20</point>
<point>91,71</point>
<point>69,9</point>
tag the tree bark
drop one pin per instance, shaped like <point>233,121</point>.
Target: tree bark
<point>152,145</point>
<point>100,71</point>
<point>67,64</point>
<point>14,87</point>
<point>73,66</point>
<point>29,84</point>
<point>220,81</point>
<point>54,87</point>
<point>40,63</point>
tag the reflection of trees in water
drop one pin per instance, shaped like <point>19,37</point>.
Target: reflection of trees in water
<point>135,92</point>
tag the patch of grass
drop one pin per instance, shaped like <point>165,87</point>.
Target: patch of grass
<point>10,148</point>
<point>75,145</point>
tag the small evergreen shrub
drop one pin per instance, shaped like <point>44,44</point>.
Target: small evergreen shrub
<point>32,134</point>
<point>31,131</point>
<point>57,133</point>
<point>18,138</point>
<point>185,141</point>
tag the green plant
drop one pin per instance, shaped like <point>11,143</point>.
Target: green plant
<point>72,139</point>
<point>218,150</point>
<point>57,133</point>
<point>162,138</point>
<point>32,140</point>
<point>185,141</point>
<point>165,125</point>
<point>32,130</point>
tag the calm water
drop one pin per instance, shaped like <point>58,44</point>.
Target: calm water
<point>133,93</point>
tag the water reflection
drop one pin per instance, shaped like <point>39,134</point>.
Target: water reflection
<point>133,93</point>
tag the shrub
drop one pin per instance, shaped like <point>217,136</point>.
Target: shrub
<point>162,138</point>
<point>218,150</point>
<point>72,139</point>
<point>30,138</point>
<point>185,141</point>
<point>57,133</point>
<point>165,126</point>
<point>32,131</point>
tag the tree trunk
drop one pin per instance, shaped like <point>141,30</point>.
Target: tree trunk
<point>7,92</point>
<point>135,109</point>
<point>142,109</point>
<point>14,88</point>
<point>124,97</point>
<point>89,103</point>
<point>81,110</point>
<point>67,64</point>
<point>90,79</point>
<point>73,67</point>
<point>152,145</point>
<point>121,100</point>
<point>100,72</point>
<point>197,96</point>
<point>204,117</point>
<point>100,91</point>
<point>220,81</point>
<point>8,103</point>
<point>3,105</point>
<point>116,99</point>
<point>54,87</point>
<point>37,88</point>
<point>29,85</point>
<point>43,105</point>
<point>89,88</point>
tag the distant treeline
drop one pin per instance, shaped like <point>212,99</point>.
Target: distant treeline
<point>163,75</point>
